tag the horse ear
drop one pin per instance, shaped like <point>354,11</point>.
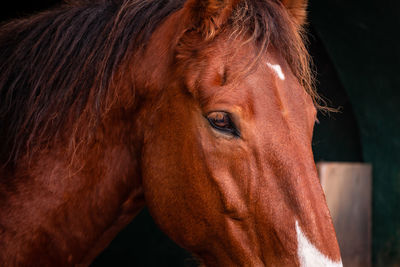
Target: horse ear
<point>297,8</point>
<point>209,15</point>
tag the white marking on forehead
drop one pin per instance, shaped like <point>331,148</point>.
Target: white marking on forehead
<point>310,256</point>
<point>278,70</point>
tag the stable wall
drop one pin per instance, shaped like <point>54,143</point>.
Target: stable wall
<point>362,39</point>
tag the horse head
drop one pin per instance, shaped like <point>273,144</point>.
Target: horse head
<point>227,165</point>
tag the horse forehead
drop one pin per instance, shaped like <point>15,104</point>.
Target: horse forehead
<point>269,85</point>
<point>277,69</point>
<point>287,88</point>
<point>268,88</point>
<point>275,84</point>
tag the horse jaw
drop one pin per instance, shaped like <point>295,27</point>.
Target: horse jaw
<point>309,255</point>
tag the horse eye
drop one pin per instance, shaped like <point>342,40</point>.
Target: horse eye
<point>222,122</point>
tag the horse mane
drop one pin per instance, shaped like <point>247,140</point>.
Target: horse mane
<point>57,67</point>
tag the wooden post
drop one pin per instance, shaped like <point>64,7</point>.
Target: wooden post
<point>348,189</point>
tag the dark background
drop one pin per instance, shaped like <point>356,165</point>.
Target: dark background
<point>355,46</point>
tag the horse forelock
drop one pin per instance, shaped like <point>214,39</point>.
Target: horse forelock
<point>263,23</point>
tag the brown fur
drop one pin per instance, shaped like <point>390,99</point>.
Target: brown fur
<point>102,111</point>
<point>298,9</point>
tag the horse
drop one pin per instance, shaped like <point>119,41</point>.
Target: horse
<point>201,110</point>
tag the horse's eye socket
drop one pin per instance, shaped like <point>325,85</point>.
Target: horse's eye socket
<point>222,122</point>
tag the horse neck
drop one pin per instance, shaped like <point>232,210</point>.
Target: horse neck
<point>58,210</point>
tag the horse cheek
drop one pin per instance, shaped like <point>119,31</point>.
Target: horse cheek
<point>171,179</point>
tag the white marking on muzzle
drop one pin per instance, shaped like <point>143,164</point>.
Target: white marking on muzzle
<point>310,256</point>
<point>278,70</point>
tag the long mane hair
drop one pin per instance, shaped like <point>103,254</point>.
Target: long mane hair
<point>57,68</point>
